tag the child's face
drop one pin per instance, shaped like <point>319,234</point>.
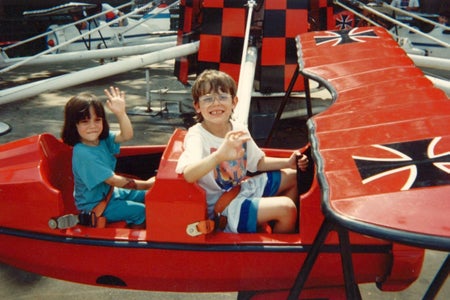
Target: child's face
<point>216,107</point>
<point>90,128</point>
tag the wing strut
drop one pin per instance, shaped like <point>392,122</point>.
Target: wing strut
<point>351,287</point>
<point>284,102</point>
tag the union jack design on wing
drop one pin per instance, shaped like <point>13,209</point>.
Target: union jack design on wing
<point>345,36</point>
<point>426,167</point>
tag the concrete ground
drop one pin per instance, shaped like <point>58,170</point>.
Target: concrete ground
<point>44,113</point>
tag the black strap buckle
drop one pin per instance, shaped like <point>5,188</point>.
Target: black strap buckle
<point>220,221</point>
<point>88,219</point>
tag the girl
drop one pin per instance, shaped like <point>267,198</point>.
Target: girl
<point>217,154</point>
<point>93,160</point>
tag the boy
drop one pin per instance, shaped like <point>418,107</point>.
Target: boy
<point>217,154</point>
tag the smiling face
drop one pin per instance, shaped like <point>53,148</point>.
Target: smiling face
<point>90,128</point>
<point>81,108</point>
<point>214,94</point>
<point>216,107</point>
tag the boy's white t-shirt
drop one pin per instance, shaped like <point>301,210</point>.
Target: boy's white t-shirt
<point>199,143</point>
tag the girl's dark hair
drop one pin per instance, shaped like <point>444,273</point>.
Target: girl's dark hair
<point>77,109</point>
<point>211,81</point>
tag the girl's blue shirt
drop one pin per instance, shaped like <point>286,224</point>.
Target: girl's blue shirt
<point>91,166</point>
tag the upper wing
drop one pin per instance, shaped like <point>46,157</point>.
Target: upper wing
<point>383,147</point>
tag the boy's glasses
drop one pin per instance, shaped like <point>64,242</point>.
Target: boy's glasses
<point>209,98</point>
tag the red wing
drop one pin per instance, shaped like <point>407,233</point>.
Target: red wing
<point>383,147</point>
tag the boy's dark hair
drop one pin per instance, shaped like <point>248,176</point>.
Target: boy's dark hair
<point>77,109</point>
<point>211,81</point>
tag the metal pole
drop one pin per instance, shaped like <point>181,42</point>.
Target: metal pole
<point>96,54</point>
<point>246,73</point>
<point>308,264</point>
<point>245,87</point>
<point>438,280</point>
<point>282,105</point>
<point>351,287</point>
<point>60,82</point>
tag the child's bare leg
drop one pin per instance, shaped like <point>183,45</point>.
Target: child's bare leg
<point>279,209</point>
<point>288,184</point>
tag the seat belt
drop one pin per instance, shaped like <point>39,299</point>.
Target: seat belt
<point>99,209</point>
<point>94,218</point>
<point>220,221</point>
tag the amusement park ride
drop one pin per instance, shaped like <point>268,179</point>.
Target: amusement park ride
<point>375,195</point>
<point>125,32</point>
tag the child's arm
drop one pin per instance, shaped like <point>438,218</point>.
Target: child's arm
<point>276,163</point>
<point>231,149</point>
<point>116,103</point>
<point>130,183</point>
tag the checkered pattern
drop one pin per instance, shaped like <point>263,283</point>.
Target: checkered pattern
<point>222,37</point>
<point>283,21</point>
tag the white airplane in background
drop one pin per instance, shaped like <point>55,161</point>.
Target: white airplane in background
<point>92,37</point>
<point>99,30</point>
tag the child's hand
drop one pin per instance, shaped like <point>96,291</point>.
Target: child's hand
<point>116,100</point>
<point>232,147</point>
<point>299,160</point>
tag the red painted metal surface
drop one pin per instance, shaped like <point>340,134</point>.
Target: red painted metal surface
<point>383,152</point>
<point>162,257</point>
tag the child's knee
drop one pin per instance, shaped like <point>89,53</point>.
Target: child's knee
<point>134,214</point>
<point>137,218</point>
<point>288,217</point>
<point>288,178</point>
<point>289,209</point>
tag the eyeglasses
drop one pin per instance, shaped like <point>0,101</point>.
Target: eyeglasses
<point>209,98</point>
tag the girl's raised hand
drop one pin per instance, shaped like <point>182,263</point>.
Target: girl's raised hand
<point>116,100</point>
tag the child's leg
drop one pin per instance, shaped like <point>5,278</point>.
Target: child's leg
<point>131,211</point>
<point>282,210</point>
<point>133,195</point>
<point>288,184</point>
<point>123,210</point>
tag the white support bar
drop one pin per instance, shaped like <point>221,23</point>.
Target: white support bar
<point>95,73</point>
<point>246,73</point>
<point>245,89</point>
<point>92,54</point>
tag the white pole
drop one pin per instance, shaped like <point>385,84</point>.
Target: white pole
<point>430,62</point>
<point>91,54</point>
<point>246,73</point>
<point>440,84</point>
<point>95,73</point>
<point>437,64</point>
<point>245,89</point>
<point>250,4</point>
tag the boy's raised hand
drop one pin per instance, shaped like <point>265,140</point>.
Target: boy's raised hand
<point>116,100</point>
<point>232,147</point>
